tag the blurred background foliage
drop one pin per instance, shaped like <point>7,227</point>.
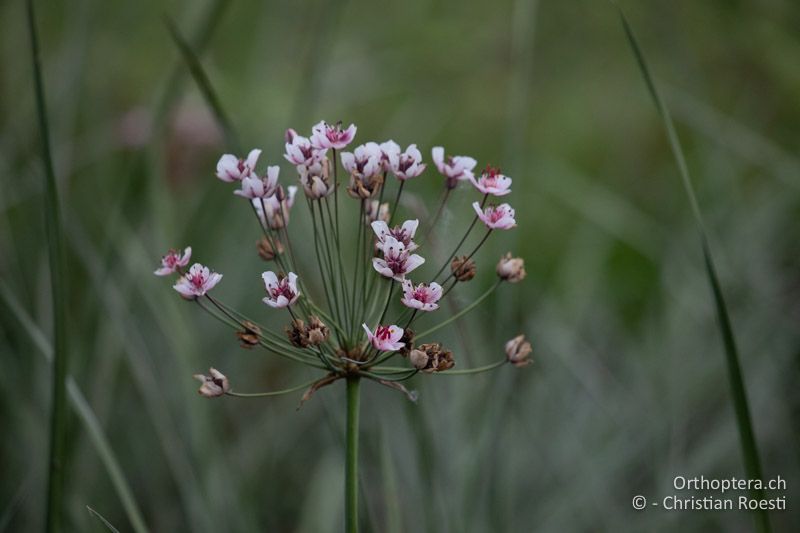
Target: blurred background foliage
<point>629,386</point>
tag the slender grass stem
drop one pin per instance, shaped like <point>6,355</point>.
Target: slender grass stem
<point>53,229</point>
<point>741,407</point>
<point>461,313</point>
<point>351,463</point>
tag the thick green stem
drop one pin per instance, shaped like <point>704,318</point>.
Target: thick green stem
<point>351,466</point>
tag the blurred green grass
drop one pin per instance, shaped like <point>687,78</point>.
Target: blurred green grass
<point>629,385</point>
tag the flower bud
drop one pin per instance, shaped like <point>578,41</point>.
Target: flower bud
<point>297,332</point>
<point>418,358</point>
<point>214,385</point>
<point>463,268</point>
<point>376,211</point>
<point>249,335</point>
<point>266,250</point>
<point>518,351</point>
<point>317,331</point>
<point>511,269</point>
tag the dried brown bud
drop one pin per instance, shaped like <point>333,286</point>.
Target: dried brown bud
<point>439,359</point>
<point>297,332</point>
<point>463,268</point>
<point>376,211</point>
<point>518,351</point>
<point>317,331</point>
<point>249,335</point>
<point>214,385</point>
<point>364,186</point>
<point>266,251</point>
<point>408,342</point>
<point>511,269</point>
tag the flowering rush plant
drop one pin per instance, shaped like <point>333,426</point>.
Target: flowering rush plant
<point>368,292</point>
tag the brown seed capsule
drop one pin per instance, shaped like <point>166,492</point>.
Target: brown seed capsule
<point>249,335</point>
<point>518,351</point>
<point>297,332</point>
<point>266,251</point>
<point>463,268</point>
<point>511,269</point>
<point>418,358</point>
<point>317,332</point>
<point>214,385</point>
<point>364,186</point>
<point>439,358</point>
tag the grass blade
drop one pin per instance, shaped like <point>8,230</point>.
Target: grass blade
<point>103,520</point>
<point>741,406</point>
<point>58,416</point>
<point>203,83</point>
<point>85,414</point>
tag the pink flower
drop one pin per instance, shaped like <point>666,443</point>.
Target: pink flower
<point>299,150</point>
<point>277,206</point>
<point>422,297</point>
<point>281,292</point>
<point>454,168</point>
<point>324,135</point>
<point>389,149</point>
<point>500,217</point>
<point>396,261</point>
<point>407,164</point>
<point>198,281</point>
<point>404,233</point>
<point>254,186</point>
<point>385,338</point>
<point>231,168</point>
<point>492,182</point>
<point>174,261</point>
<point>364,161</point>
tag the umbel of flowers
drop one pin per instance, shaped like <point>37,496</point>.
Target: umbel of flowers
<point>371,280</point>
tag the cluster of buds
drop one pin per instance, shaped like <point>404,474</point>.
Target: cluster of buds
<point>356,335</point>
<point>303,335</point>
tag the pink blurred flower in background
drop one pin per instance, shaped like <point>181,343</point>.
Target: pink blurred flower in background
<point>491,181</point>
<point>254,186</point>
<point>173,261</point>
<point>231,168</point>
<point>299,150</point>
<point>324,135</point>
<point>408,164</point>
<point>454,168</point>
